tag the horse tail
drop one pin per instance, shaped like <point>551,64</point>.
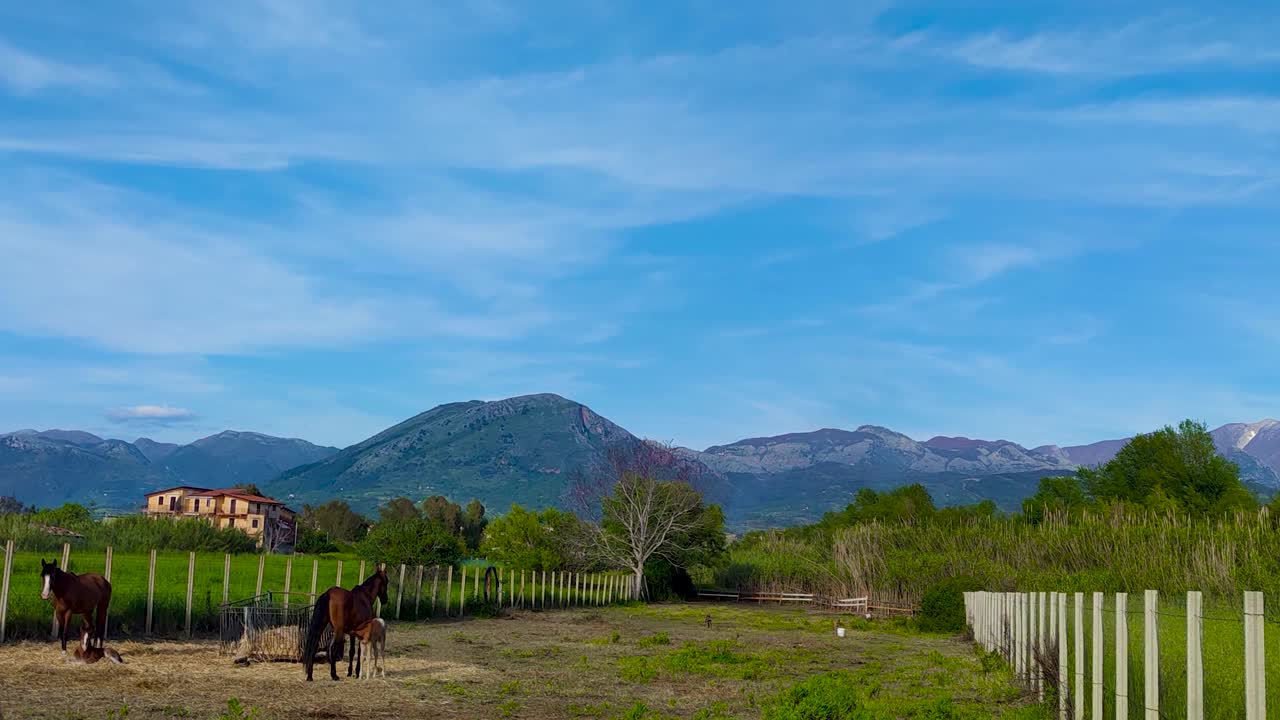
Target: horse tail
<point>319,619</point>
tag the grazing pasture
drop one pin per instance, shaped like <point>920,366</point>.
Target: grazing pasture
<point>633,661</point>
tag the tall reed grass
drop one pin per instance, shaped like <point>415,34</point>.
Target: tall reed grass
<point>1112,552</point>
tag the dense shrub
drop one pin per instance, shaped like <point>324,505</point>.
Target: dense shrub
<point>664,581</point>
<point>313,542</point>
<point>411,542</point>
<point>942,607</point>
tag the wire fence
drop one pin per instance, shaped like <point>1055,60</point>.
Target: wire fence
<point>177,593</point>
<point>1097,655</point>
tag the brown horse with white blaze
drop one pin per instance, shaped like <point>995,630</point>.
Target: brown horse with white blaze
<point>73,594</point>
<point>344,610</point>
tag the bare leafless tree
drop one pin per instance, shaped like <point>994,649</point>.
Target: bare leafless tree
<point>644,502</point>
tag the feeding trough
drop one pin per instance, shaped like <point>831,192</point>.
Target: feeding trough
<point>261,629</point>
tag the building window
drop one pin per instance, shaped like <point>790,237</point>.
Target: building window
<point>233,506</point>
<point>196,504</point>
<point>255,523</point>
<point>160,501</point>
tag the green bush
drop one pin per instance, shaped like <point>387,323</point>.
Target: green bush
<point>942,607</point>
<point>821,697</point>
<point>411,542</point>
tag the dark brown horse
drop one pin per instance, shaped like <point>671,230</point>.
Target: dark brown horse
<point>73,594</point>
<point>344,611</point>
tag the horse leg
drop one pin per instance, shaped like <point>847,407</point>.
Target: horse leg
<point>335,647</point>
<point>104,601</point>
<point>351,657</point>
<point>64,619</point>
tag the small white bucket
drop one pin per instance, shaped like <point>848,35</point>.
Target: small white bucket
<point>839,632</point>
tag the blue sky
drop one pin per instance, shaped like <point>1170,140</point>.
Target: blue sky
<point>705,220</point>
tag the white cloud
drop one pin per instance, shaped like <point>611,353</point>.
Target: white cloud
<point>153,414</point>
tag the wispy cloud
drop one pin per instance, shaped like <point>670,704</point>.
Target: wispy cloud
<point>26,72</point>
<point>150,415</point>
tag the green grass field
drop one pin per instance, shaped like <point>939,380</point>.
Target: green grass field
<point>29,616</point>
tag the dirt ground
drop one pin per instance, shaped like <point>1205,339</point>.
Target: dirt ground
<point>583,663</point>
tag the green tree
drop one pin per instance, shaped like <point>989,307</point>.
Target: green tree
<point>10,505</point>
<point>398,510</point>
<point>69,515</point>
<point>415,541</point>
<point>313,542</point>
<point>335,519</point>
<point>446,514</point>
<point>909,502</point>
<point>529,541</point>
<point>250,488</point>
<point>1057,493</point>
<point>649,508</point>
<point>1170,469</point>
<point>473,524</point>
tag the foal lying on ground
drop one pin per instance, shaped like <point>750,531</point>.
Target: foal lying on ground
<point>87,654</point>
<point>372,635</point>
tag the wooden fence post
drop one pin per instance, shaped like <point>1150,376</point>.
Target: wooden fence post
<point>106,574</point>
<point>315,577</point>
<point>191,584</point>
<point>1195,658</point>
<point>542,592</point>
<point>1078,616</point>
<point>66,560</point>
<point>1122,655</point>
<point>462,601</point>
<point>435,584</point>
<point>448,591</point>
<point>226,578</point>
<point>288,579</point>
<point>4,587</point>
<point>522,599</point>
<point>1097,655</point>
<point>511,588</point>
<point>151,588</point>
<point>417,596</point>
<point>1151,655</point>
<point>1064,688</point>
<point>361,577</point>
<point>399,591</point>
<point>1255,666</point>
<point>337,580</point>
<point>262,566</point>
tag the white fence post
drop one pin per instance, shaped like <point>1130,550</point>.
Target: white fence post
<point>1151,655</point>
<point>1042,648</point>
<point>1078,708</point>
<point>1122,655</point>
<point>1064,687</point>
<point>1195,659</point>
<point>1097,655</point>
<point>1255,667</point>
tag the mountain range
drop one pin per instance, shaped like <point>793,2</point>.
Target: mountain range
<point>55,466</point>
<point>525,449</point>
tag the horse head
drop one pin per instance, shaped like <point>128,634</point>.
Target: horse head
<point>47,572</point>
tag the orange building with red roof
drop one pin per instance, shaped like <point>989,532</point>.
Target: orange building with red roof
<point>258,516</point>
